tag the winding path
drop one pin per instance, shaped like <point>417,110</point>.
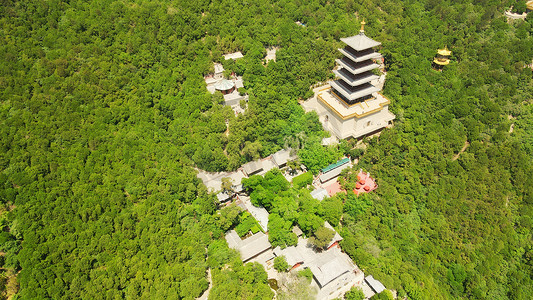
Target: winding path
<point>456,156</point>
<point>205,295</point>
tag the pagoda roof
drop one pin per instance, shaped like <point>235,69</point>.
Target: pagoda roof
<point>358,57</point>
<point>359,110</point>
<point>441,62</point>
<point>355,80</point>
<point>444,52</point>
<point>224,85</point>
<point>356,68</point>
<point>360,42</point>
<point>352,93</point>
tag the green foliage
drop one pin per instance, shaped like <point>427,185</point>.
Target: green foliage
<point>280,264</point>
<point>432,218</point>
<point>246,224</point>
<point>226,218</point>
<point>308,219</point>
<point>519,7</point>
<point>252,151</point>
<point>456,276</point>
<point>315,156</point>
<point>240,282</point>
<point>302,180</point>
<point>104,113</point>
<point>385,295</point>
<point>219,254</point>
<point>280,232</point>
<point>331,209</point>
<point>226,185</point>
<point>356,205</point>
<point>322,237</point>
<point>293,287</point>
<point>355,293</point>
<point>306,273</point>
<point>264,189</point>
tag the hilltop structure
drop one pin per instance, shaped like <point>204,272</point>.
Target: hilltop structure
<point>365,183</point>
<point>352,106</point>
<point>228,87</point>
<point>442,59</point>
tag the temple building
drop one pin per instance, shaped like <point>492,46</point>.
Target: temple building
<point>442,59</point>
<point>352,106</point>
<point>225,86</point>
<point>228,87</point>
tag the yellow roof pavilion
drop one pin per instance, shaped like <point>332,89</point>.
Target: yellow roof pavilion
<point>529,5</point>
<point>441,61</point>
<point>444,52</point>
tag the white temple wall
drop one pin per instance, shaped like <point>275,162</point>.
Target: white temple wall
<point>353,127</point>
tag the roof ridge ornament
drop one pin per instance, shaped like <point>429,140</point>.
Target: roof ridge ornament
<point>362,31</point>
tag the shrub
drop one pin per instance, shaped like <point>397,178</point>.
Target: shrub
<point>303,180</point>
<point>280,264</point>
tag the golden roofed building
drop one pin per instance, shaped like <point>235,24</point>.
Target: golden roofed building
<point>442,59</point>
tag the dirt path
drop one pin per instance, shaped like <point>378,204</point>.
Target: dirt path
<point>456,156</point>
<point>511,117</point>
<point>227,129</point>
<point>12,286</point>
<point>205,295</point>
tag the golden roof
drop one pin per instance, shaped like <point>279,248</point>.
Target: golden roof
<point>440,61</point>
<point>444,52</point>
<point>529,5</point>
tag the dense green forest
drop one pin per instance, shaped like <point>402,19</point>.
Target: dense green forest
<point>105,114</point>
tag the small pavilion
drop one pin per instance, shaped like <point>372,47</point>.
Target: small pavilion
<point>225,86</point>
<point>442,59</point>
<point>364,183</point>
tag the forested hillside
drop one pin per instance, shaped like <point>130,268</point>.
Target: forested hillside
<point>104,115</point>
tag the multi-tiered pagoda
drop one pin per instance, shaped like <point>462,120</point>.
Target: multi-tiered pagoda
<point>352,105</point>
<point>442,59</point>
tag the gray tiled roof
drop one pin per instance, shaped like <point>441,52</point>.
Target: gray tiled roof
<point>292,255</point>
<point>353,93</point>
<point>360,42</point>
<point>360,56</point>
<point>250,247</point>
<point>224,85</point>
<point>254,245</point>
<point>377,286</point>
<point>355,80</point>
<point>327,267</point>
<point>319,194</point>
<point>252,167</point>
<point>281,157</point>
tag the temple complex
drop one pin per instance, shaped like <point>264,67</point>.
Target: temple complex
<point>228,87</point>
<point>352,106</point>
<point>442,59</point>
